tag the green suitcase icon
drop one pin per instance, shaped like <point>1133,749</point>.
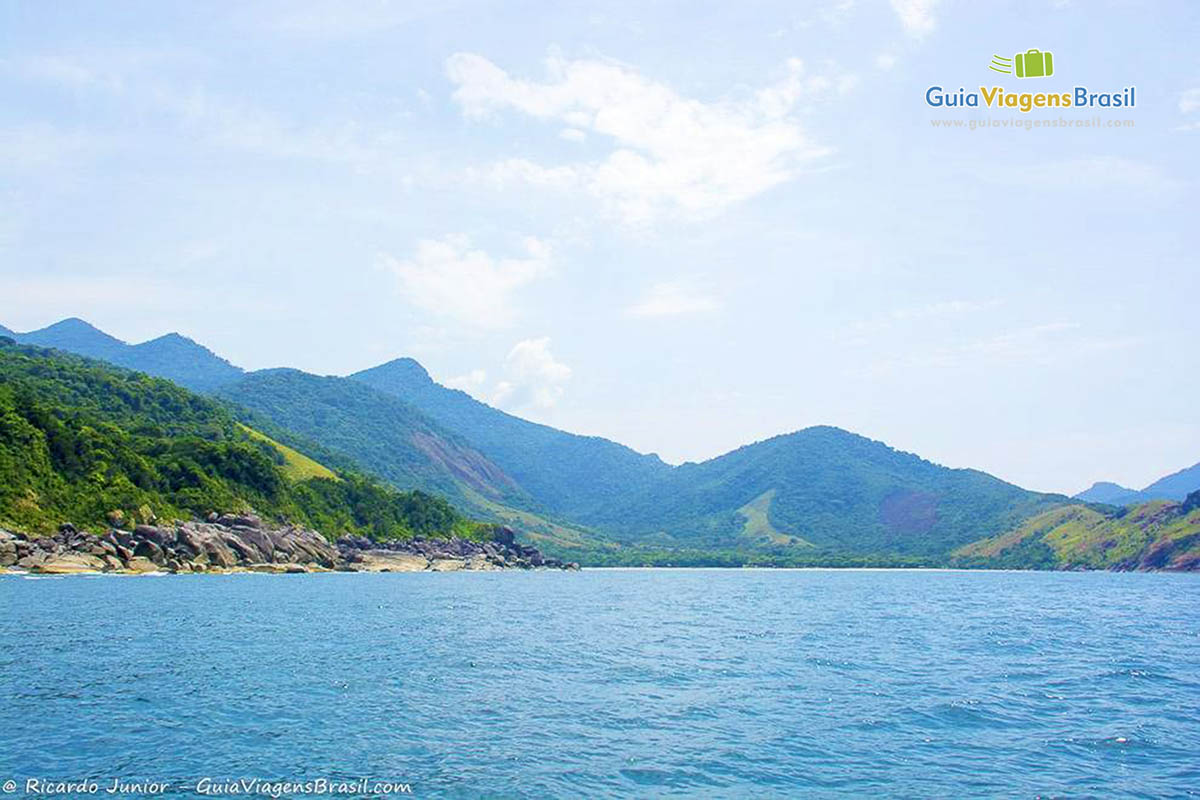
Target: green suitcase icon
<point>1035,64</point>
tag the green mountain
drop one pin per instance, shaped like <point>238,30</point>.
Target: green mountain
<point>569,475</point>
<point>76,336</point>
<point>384,434</point>
<point>93,444</point>
<point>393,440</point>
<point>172,356</point>
<point>1160,534</point>
<point>825,489</point>
<point>387,435</point>
<point>817,495</point>
<point>179,359</point>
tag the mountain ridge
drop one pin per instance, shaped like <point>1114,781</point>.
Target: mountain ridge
<point>1176,486</point>
<point>816,495</point>
<point>1113,494</point>
<point>172,356</point>
<point>833,489</point>
<point>569,473</point>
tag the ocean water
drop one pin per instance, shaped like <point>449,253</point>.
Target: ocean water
<point>610,683</point>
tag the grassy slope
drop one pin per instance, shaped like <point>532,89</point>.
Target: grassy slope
<point>379,432</point>
<point>355,423</point>
<point>296,465</point>
<point>1155,535</point>
<point>758,529</point>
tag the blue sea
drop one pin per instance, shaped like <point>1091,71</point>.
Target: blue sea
<point>608,683</point>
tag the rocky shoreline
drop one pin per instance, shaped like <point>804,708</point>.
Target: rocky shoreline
<point>245,543</point>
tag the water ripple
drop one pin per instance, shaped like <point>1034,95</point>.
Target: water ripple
<point>686,683</point>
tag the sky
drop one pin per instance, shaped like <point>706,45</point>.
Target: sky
<point>682,226</point>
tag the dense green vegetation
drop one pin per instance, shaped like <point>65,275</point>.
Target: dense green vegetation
<point>1160,534</point>
<point>821,496</point>
<point>832,489</point>
<point>382,433</point>
<point>91,444</point>
<point>821,487</point>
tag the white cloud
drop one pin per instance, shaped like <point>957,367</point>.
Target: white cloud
<point>885,61</point>
<point>519,169</point>
<point>449,277</point>
<point>673,299</point>
<point>916,15</point>
<point>533,377</point>
<point>470,383</point>
<point>1189,101</point>
<point>671,154</point>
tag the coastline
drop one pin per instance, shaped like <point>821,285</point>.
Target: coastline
<point>244,543</point>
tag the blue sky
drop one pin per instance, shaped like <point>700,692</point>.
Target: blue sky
<point>684,226</point>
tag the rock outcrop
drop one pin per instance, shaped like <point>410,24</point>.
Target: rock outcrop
<point>444,555</point>
<point>231,542</point>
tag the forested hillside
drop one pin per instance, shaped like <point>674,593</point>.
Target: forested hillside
<point>386,435</point>
<point>1160,534</point>
<point>825,488</point>
<point>569,475</point>
<point>819,495</point>
<point>96,445</point>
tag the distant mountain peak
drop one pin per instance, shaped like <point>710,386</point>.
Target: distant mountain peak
<point>1110,493</point>
<point>1107,485</point>
<point>1177,485</point>
<point>76,336</point>
<point>826,430</point>
<point>408,369</point>
<point>172,356</point>
<point>75,324</point>
<point>173,337</point>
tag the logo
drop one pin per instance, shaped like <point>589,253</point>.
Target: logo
<point>1032,63</point>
